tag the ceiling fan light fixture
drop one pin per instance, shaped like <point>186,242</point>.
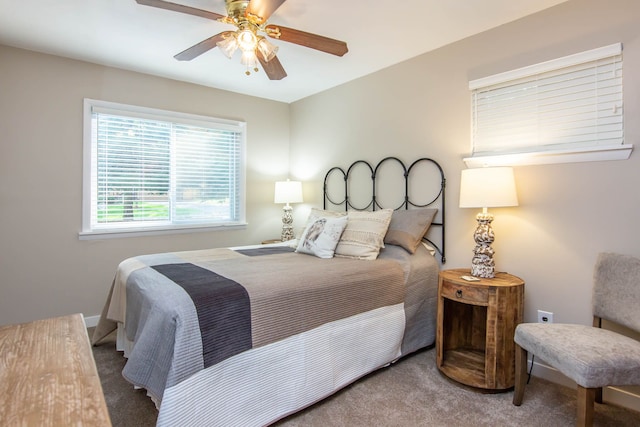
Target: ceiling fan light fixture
<point>247,40</point>
<point>228,45</point>
<point>267,49</point>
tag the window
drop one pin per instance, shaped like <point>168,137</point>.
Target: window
<point>568,109</point>
<point>153,170</point>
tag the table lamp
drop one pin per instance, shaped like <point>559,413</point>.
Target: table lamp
<point>486,188</point>
<point>287,192</point>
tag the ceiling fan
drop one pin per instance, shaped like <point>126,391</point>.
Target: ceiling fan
<point>250,19</point>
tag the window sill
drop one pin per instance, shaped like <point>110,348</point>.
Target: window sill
<point>139,232</point>
<point>591,154</point>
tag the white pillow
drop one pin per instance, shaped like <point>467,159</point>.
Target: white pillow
<point>364,235</point>
<point>321,235</point>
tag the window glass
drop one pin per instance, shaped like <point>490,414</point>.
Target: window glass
<point>150,170</point>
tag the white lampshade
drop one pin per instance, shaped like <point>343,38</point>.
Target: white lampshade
<point>288,192</point>
<point>488,187</point>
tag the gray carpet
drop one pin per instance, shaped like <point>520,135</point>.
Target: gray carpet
<point>411,392</point>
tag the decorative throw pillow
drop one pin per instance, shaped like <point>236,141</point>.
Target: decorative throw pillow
<point>319,213</point>
<point>364,235</point>
<point>321,235</point>
<point>408,227</point>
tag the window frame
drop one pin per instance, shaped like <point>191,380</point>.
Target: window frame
<point>140,229</point>
<point>580,152</point>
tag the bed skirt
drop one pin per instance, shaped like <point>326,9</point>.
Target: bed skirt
<point>265,384</point>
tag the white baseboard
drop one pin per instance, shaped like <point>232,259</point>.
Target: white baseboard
<point>613,395</point>
<point>91,321</point>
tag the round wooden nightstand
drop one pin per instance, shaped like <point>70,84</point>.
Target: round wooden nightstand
<point>476,323</point>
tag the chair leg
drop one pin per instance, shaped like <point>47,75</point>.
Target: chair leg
<point>521,374</point>
<point>586,398</point>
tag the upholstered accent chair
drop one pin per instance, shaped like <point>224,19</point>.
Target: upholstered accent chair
<point>591,356</point>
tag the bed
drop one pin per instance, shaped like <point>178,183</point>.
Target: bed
<point>248,335</point>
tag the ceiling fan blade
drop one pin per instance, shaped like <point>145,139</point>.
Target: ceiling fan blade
<point>180,8</point>
<point>200,48</point>
<point>263,9</point>
<point>273,68</point>
<point>313,41</point>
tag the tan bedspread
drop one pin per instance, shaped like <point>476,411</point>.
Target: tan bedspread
<point>292,293</point>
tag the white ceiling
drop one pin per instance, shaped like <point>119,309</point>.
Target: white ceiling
<point>123,34</point>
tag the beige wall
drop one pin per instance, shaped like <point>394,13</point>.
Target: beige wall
<point>568,212</point>
<point>44,269</point>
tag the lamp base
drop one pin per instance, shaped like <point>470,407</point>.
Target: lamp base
<point>287,220</point>
<point>482,264</point>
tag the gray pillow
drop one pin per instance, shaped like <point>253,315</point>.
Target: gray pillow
<point>408,227</point>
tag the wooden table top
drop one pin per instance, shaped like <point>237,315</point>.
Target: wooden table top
<point>48,376</point>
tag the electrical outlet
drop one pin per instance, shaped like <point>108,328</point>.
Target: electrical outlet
<point>545,316</point>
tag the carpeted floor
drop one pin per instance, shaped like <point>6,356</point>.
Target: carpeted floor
<point>411,392</point>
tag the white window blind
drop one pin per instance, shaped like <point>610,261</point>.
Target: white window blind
<point>149,169</point>
<point>571,103</point>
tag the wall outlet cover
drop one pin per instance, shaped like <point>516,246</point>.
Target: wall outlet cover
<point>545,316</point>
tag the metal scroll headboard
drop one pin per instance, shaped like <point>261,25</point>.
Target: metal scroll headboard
<point>419,185</point>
